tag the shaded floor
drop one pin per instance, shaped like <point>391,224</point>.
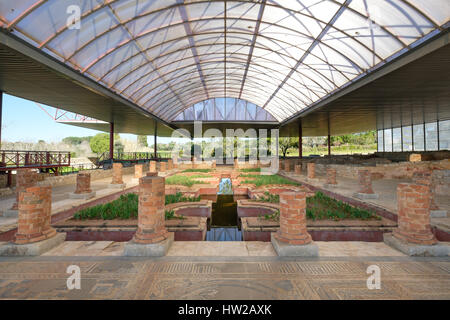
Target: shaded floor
<point>224,278</point>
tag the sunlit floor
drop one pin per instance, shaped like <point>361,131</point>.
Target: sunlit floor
<point>248,277</point>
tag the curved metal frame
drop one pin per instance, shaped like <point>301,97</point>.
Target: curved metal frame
<point>172,76</point>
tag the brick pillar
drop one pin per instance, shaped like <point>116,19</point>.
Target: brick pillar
<point>213,164</point>
<point>152,167</point>
<point>169,164</point>
<point>162,166</point>
<point>298,169</point>
<point>331,176</point>
<point>117,173</point>
<point>152,174</point>
<point>83,183</point>
<point>151,221</point>
<point>35,205</point>
<point>25,178</point>
<point>175,161</point>
<point>236,164</point>
<point>138,170</point>
<point>293,219</point>
<point>287,165</point>
<point>311,167</point>
<point>365,182</point>
<point>194,163</point>
<point>414,214</point>
<point>425,178</point>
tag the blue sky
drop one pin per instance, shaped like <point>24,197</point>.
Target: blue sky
<point>24,121</point>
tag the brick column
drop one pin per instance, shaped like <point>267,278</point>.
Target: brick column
<point>213,164</point>
<point>117,173</point>
<point>169,164</point>
<point>298,169</point>
<point>287,165</point>
<point>414,214</point>
<point>331,176</point>
<point>425,178</point>
<point>152,167</point>
<point>311,167</point>
<point>152,174</point>
<point>293,219</point>
<point>365,182</point>
<point>236,164</point>
<point>151,221</point>
<point>25,178</point>
<point>175,161</point>
<point>138,170</point>
<point>35,205</point>
<point>162,166</point>
<point>83,183</point>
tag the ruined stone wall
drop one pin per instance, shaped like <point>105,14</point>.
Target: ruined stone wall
<point>401,170</point>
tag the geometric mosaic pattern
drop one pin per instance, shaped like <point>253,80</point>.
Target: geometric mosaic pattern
<point>133,278</point>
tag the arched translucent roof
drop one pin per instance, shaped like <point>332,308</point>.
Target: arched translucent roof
<point>225,109</point>
<point>167,55</point>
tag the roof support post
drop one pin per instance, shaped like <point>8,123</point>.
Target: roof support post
<point>1,112</point>
<point>329,137</point>
<point>155,141</point>
<point>111,141</point>
<point>300,140</point>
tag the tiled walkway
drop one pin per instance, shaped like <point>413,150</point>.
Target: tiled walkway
<point>224,278</point>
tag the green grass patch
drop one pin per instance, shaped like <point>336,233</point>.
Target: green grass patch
<point>322,207</point>
<point>178,197</point>
<point>197,170</point>
<point>126,207</point>
<point>259,180</point>
<point>187,181</point>
<point>269,197</point>
<point>251,170</point>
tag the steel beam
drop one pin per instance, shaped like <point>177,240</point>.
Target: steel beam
<point>111,141</point>
<point>300,140</point>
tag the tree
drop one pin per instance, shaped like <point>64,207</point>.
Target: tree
<point>285,143</point>
<point>76,140</point>
<point>142,141</point>
<point>99,143</point>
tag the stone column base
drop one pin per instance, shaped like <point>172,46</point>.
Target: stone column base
<point>83,196</point>
<point>438,213</point>
<point>117,185</point>
<point>411,249</point>
<point>32,249</point>
<point>366,196</point>
<point>11,213</point>
<point>284,249</point>
<point>159,249</point>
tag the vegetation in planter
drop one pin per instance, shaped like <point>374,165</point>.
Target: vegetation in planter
<point>187,181</point>
<point>251,170</point>
<point>126,207</point>
<point>198,170</point>
<point>273,217</point>
<point>259,180</point>
<point>321,207</point>
<point>170,215</point>
<point>178,197</point>
<point>269,197</point>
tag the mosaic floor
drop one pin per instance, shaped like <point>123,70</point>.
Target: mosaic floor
<point>224,278</point>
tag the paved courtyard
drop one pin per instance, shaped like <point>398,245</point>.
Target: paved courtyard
<point>249,271</point>
<point>224,278</point>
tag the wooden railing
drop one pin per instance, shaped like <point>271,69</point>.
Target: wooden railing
<point>14,159</point>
